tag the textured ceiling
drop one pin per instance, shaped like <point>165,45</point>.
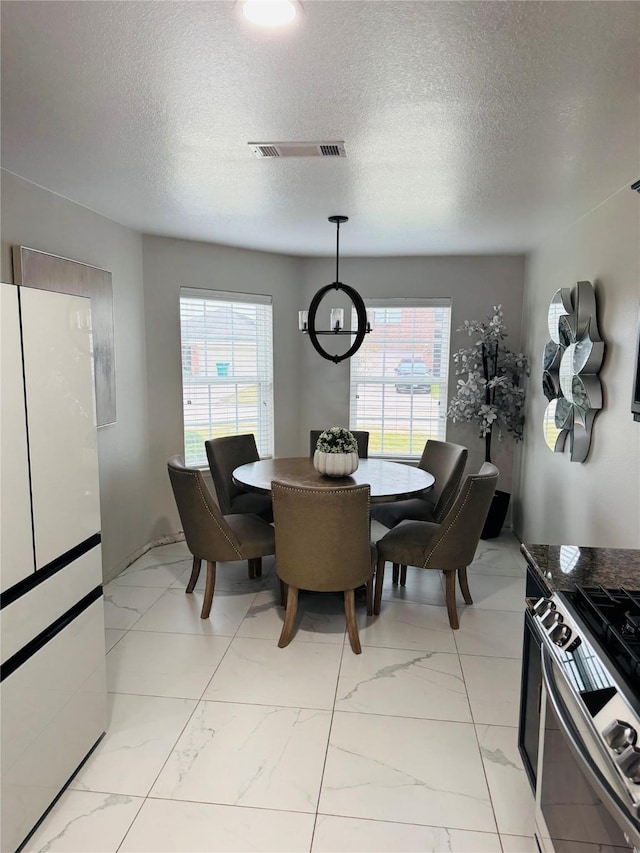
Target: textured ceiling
<point>469,127</point>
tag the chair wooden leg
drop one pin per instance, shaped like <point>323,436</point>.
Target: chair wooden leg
<point>451,598</point>
<point>403,574</point>
<point>396,574</point>
<point>208,590</point>
<point>289,617</point>
<point>370,596</point>
<point>464,585</point>
<point>283,593</point>
<point>255,567</point>
<point>379,581</point>
<point>195,573</point>
<point>352,625</point>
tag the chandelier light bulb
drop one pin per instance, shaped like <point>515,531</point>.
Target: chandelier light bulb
<point>337,319</point>
<point>269,13</point>
<point>370,319</point>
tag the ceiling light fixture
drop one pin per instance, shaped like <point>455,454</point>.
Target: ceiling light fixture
<point>269,13</point>
<point>307,319</point>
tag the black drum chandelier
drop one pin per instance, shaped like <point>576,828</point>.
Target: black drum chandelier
<point>307,319</point>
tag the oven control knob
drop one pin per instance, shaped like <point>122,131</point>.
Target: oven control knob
<point>619,735</point>
<point>551,619</point>
<point>629,763</point>
<point>543,606</point>
<point>573,645</point>
<point>560,635</point>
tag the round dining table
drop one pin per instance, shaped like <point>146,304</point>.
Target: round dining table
<point>388,481</point>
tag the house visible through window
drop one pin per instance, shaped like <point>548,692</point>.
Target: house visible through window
<point>227,369</point>
<point>399,376</point>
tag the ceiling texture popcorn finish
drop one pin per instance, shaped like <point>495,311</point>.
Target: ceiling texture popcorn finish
<point>469,126</point>
<point>269,13</point>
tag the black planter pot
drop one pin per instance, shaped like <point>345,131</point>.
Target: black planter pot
<point>497,515</point>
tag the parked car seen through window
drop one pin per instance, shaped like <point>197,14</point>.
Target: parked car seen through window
<point>420,377</point>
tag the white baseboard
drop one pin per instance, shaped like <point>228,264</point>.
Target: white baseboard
<point>113,572</point>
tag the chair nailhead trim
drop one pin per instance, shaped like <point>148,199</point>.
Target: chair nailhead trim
<point>328,492</point>
<point>472,480</point>
<point>452,497</point>
<point>215,520</point>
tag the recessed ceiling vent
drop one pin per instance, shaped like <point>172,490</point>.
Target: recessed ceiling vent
<point>298,149</point>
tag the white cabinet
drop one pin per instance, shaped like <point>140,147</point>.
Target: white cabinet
<point>52,690</point>
<point>53,712</point>
<point>61,418</point>
<point>16,544</point>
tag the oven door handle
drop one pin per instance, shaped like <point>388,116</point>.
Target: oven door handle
<point>610,798</point>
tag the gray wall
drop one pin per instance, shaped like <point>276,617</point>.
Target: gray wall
<point>41,220</point>
<point>474,283</point>
<point>596,503</point>
<point>171,264</point>
<point>309,391</point>
<point>147,273</point>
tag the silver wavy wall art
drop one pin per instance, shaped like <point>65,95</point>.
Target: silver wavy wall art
<point>570,365</point>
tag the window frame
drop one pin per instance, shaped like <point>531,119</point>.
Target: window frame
<point>215,377</point>
<point>439,348</point>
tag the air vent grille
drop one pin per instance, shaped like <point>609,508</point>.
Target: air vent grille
<point>298,149</point>
<point>267,151</point>
<point>330,150</point>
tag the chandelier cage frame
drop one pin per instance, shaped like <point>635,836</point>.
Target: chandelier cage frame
<point>308,325</point>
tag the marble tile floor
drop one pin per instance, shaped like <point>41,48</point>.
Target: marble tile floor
<point>220,741</point>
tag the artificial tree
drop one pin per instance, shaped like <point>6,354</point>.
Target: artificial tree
<point>489,394</point>
<point>489,391</point>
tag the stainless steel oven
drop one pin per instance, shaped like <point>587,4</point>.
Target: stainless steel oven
<point>587,771</point>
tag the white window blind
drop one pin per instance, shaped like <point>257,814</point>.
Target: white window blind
<point>399,376</point>
<point>227,369</point>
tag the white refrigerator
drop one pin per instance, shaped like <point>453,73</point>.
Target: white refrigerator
<point>52,677</point>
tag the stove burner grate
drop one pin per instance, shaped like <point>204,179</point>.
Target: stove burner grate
<point>613,616</point>
<point>631,627</point>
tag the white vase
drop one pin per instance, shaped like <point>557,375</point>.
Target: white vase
<point>335,464</point>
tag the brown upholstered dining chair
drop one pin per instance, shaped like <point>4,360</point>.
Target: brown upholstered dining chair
<point>322,544</point>
<point>360,435</point>
<point>225,454</point>
<point>449,546</point>
<point>212,536</point>
<point>446,461</point>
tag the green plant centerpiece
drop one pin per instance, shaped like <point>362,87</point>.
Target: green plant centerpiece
<point>489,393</point>
<point>337,440</point>
<point>336,452</point>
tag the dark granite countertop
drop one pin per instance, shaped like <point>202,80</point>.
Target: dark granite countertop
<point>563,567</point>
